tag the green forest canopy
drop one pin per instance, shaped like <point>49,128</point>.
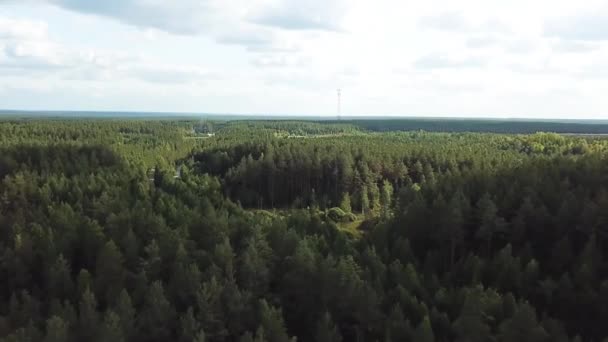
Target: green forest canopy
<point>157,230</point>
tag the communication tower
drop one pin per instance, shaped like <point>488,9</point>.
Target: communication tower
<point>339,104</point>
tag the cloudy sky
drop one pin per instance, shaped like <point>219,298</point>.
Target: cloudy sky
<point>517,58</point>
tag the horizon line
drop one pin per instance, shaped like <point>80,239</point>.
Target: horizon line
<point>34,112</point>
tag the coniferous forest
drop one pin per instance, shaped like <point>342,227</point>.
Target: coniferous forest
<point>175,230</point>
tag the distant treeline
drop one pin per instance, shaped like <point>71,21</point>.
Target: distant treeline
<point>315,125</point>
<point>303,127</point>
<point>472,125</point>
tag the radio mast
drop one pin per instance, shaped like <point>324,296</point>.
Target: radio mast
<point>339,105</point>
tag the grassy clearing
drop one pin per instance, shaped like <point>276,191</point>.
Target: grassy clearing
<point>352,227</point>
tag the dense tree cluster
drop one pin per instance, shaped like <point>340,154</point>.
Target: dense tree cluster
<point>144,142</point>
<point>286,128</point>
<point>149,231</point>
<point>324,171</point>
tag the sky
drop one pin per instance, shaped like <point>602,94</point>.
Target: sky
<point>467,58</point>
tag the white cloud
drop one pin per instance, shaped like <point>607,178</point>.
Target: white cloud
<point>482,41</point>
<point>169,73</point>
<point>301,15</point>
<point>388,56</point>
<point>279,60</point>
<point>457,22</point>
<point>25,46</point>
<point>31,55</point>
<point>252,38</point>
<point>571,46</point>
<point>184,17</point>
<point>22,29</point>
<point>522,45</point>
<point>435,61</point>
<point>587,25</point>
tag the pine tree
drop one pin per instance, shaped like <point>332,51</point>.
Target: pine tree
<point>56,330</point>
<point>111,330</point>
<point>509,305</point>
<point>224,258</point>
<point>260,336</point>
<point>523,326</point>
<point>487,211</point>
<point>386,197</point>
<point>130,245</point>
<point>88,318</point>
<point>471,325</point>
<point>365,205</point>
<point>210,309</point>
<point>246,337</point>
<point>327,330</point>
<point>374,191</point>
<point>126,313</point>
<point>441,324</point>
<point>23,308</point>
<point>254,274</point>
<point>397,327</point>
<point>200,337</point>
<point>418,170</point>
<point>153,264</point>
<point>561,255</point>
<point>269,172</point>
<point>84,282</point>
<point>185,280</point>
<point>530,276</point>
<point>272,323</point>
<point>28,333</point>
<point>458,206</point>
<point>64,311</point>
<point>189,326</point>
<point>156,317</point>
<point>60,279</point>
<point>424,332</point>
<point>345,203</point>
<point>110,273</point>
<point>401,172</point>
